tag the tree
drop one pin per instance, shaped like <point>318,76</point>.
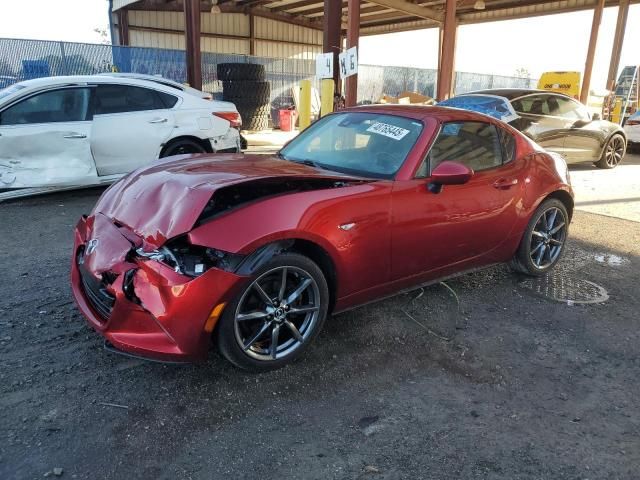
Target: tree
<point>103,34</point>
<point>522,72</point>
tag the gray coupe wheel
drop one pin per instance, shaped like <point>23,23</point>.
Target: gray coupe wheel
<point>276,315</point>
<point>543,242</point>
<point>613,152</point>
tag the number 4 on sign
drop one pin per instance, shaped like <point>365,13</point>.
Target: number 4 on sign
<point>348,62</point>
<point>324,65</point>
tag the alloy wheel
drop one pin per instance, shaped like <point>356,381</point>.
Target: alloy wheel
<point>614,151</point>
<point>548,238</point>
<point>277,313</point>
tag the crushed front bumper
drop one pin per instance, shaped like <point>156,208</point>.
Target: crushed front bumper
<point>142,306</point>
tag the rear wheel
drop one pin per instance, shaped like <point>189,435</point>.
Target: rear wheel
<point>182,147</point>
<point>613,152</point>
<point>276,316</point>
<point>543,242</point>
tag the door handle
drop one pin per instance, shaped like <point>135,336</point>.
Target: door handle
<point>505,183</point>
<point>75,135</point>
<point>158,120</point>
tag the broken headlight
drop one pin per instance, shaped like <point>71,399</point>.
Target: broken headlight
<point>192,260</point>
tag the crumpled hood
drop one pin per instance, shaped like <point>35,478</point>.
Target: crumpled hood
<point>165,199</point>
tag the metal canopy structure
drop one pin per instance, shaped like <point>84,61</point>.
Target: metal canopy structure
<point>338,19</point>
<point>378,16</point>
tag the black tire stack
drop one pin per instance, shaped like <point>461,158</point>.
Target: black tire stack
<point>244,84</point>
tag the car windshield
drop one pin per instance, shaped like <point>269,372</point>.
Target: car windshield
<point>5,92</point>
<point>359,143</point>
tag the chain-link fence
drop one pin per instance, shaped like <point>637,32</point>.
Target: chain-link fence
<point>26,59</point>
<point>375,81</point>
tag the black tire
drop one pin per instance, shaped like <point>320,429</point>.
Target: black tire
<point>249,113</point>
<point>252,91</point>
<point>257,357</point>
<point>522,261</point>
<point>253,109</point>
<point>240,71</point>
<point>256,123</point>
<point>613,152</point>
<point>182,147</point>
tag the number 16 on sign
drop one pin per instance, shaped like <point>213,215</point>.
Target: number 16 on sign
<point>348,62</point>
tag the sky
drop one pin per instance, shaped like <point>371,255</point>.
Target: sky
<point>539,44</point>
<point>553,42</point>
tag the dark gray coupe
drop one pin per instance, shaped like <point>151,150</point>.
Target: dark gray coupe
<point>555,121</point>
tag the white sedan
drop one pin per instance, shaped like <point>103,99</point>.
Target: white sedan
<point>66,132</point>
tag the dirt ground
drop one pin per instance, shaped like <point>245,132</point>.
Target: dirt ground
<point>494,381</point>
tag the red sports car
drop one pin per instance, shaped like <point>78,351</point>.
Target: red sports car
<point>253,252</point>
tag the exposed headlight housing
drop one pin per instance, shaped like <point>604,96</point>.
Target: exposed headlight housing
<point>191,260</point>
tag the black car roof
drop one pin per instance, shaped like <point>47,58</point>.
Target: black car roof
<point>511,93</point>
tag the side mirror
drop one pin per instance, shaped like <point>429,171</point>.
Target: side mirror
<point>449,173</point>
<point>595,117</point>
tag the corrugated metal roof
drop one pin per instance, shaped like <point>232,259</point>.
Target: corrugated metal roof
<point>118,4</point>
<point>377,16</point>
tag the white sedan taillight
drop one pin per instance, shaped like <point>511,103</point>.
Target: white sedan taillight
<point>232,117</point>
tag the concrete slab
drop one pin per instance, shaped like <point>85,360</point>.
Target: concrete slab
<point>615,193</point>
<point>270,138</point>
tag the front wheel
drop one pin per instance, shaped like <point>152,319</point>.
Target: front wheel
<point>613,152</point>
<point>544,239</point>
<point>276,315</point>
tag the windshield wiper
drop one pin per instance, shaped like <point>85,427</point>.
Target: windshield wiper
<point>311,163</point>
<point>304,161</point>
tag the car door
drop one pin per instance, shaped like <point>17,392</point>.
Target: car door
<point>130,125</point>
<point>45,139</point>
<point>537,122</point>
<point>463,224</point>
<point>584,138</point>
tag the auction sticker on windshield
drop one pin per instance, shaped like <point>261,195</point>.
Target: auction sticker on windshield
<point>387,130</point>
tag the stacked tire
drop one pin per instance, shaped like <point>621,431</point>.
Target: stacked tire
<point>244,84</point>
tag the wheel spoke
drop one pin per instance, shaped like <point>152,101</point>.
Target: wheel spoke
<point>544,220</point>
<point>243,317</point>
<point>283,284</point>
<point>294,330</point>
<point>556,229</point>
<point>552,220</point>
<point>298,291</point>
<point>263,295</point>
<point>537,234</point>
<point>274,341</point>
<point>305,309</point>
<point>555,242</point>
<point>538,247</point>
<point>264,328</point>
<point>541,254</point>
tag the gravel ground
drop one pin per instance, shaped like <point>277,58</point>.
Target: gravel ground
<point>496,381</point>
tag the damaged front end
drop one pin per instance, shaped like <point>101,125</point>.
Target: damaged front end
<point>145,273</point>
<point>156,304</point>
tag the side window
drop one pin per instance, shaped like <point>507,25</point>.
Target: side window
<point>169,101</point>
<point>568,108</point>
<point>125,98</point>
<point>55,106</point>
<point>474,144</point>
<point>508,145</point>
<point>533,104</point>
